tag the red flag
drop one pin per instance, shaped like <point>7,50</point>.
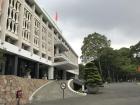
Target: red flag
<point>56,16</point>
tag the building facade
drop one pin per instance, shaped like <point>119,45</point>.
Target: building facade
<point>31,40</point>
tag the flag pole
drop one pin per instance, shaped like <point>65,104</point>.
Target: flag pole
<point>56,17</point>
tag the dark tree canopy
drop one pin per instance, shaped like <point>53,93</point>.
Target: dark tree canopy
<point>81,71</point>
<point>92,45</point>
<point>135,53</point>
<point>136,48</point>
<point>115,65</point>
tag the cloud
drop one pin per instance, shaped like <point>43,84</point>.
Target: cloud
<point>119,20</point>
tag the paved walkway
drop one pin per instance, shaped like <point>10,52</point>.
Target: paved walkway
<point>52,91</point>
<point>113,94</point>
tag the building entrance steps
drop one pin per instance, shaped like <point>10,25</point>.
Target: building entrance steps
<point>52,92</point>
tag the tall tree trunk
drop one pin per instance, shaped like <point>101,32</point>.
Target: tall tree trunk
<point>100,69</point>
<point>113,76</point>
<point>117,78</point>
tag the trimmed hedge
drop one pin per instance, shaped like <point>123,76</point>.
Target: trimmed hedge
<point>92,75</point>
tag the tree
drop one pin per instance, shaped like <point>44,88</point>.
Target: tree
<point>135,53</point>
<point>92,75</point>
<point>116,64</point>
<point>124,63</point>
<point>135,56</point>
<point>92,45</point>
<point>107,56</point>
<point>81,71</point>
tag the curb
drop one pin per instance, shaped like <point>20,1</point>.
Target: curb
<point>82,94</point>
<point>31,97</point>
<point>138,83</point>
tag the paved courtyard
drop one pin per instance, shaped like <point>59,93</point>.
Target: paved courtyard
<point>52,92</point>
<point>112,94</point>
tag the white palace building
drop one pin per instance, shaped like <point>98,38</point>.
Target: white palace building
<point>32,41</point>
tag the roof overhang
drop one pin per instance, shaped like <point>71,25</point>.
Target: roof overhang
<point>65,65</point>
<point>76,72</point>
<point>60,57</point>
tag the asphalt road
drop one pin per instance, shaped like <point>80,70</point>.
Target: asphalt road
<point>112,94</point>
<point>52,92</point>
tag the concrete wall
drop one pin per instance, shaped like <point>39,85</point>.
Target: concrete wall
<point>10,84</point>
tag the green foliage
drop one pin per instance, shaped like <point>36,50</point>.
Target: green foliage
<point>125,62</point>
<point>113,65</point>
<point>135,48</point>
<point>116,64</point>
<point>92,75</point>
<point>135,51</point>
<point>81,71</point>
<point>92,45</point>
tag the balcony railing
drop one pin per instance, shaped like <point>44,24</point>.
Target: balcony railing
<point>61,57</point>
<point>61,45</point>
<point>64,62</point>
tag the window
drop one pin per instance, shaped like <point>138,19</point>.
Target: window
<point>35,52</point>
<point>43,55</point>
<point>13,16</point>
<point>49,58</point>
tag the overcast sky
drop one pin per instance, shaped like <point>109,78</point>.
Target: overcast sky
<point>119,20</point>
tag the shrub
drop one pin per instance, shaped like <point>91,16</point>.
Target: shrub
<point>92,75</point>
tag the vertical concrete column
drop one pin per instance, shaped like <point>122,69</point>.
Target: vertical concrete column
<point>47,23</point>
<point>64,74</point>
<point>53,44</point>
<point>32,29</point>
<point>15,64</point>
<point>20,29</point>
<point>37,70</point>
<point>83,88</point>
<point>51,72</point>
<point>3,21</point>
<point>40,37</point>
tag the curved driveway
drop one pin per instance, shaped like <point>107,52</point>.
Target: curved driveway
<point>52,91</point>
<point>112,94</point>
